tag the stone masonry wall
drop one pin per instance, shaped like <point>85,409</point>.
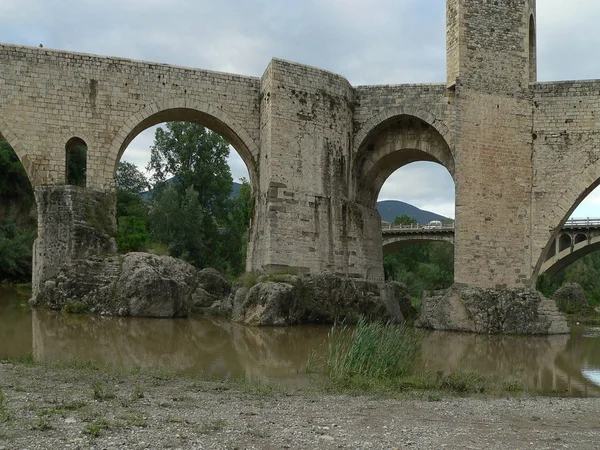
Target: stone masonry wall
<point>305,210</point>
<point>48,97</point>
<point>493,146</point>
<point>566,156</point>
<point>73,224</point>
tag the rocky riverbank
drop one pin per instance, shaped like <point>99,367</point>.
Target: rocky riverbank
<point>146,285</point>
<point>83,406</point>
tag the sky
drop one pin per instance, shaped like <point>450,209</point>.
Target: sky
<point>367,41</point>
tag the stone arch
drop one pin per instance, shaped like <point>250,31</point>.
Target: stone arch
<point>580,237</point>
<point>71,144</point>
<point>564,206</point>
<point>204,114</point>
<point>390,141</point>
<point>16,144</point>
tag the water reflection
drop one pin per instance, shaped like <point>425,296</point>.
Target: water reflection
<point>216,347</point>
<point>568,365</point>
<point>15,324</point>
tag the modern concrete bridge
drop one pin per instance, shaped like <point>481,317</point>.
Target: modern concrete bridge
<point>577,238</point>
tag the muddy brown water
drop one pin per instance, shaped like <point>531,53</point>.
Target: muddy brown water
<point>568,364</point>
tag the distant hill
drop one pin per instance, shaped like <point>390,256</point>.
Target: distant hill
<point>390,209</point>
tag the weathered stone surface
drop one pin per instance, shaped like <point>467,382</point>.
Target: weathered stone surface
<point>571,298</point>
<point>509,311</point>
<point>291,300</point>
<point>137,284</point>
<point>154,286</point>
<point>213,294</point>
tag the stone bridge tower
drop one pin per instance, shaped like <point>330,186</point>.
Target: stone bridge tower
<point>491,63</point>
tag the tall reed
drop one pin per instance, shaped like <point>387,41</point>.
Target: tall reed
<point>372,350</point>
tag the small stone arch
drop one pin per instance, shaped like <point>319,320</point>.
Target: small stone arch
<point>564,242</point>
<point>394,141</point>
<point>70,146</point>
<point>204,114</point>
<point>580,237</point>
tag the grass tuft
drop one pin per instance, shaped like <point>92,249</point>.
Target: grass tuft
<point>371,350</point>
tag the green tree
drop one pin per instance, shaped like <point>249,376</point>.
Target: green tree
<point>129,178</point>
<point>192,211</point>
<point>197,158</point>
<point>16,245</point>
<point>77,165</point>
<point>132,211</point>
<point>175,222</point>
<point>15,189</point>
<point>404,219</point>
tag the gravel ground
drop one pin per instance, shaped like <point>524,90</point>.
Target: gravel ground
<point>89,408</point>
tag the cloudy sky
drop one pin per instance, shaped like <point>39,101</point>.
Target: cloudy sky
<point>367,41</point>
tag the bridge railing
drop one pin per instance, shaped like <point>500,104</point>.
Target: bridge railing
<point>417,226</point>
<point>582,222</point>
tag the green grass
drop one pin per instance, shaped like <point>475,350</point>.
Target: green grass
<point>372,350</point>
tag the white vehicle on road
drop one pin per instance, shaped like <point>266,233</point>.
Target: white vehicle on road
<point>433,225</point>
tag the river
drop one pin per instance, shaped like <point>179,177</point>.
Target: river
<point>568,364</point>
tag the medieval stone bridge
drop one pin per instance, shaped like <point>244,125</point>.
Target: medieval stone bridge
<point>577,238</point>
<point>522,154</point>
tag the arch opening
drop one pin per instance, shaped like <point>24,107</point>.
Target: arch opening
<point>18,218</point>
<point>579,238</point>
<point>394,143</point>
<point>181,169</point>
<point>564,242</point>
<point>76,162</point>
<point>203,119</point>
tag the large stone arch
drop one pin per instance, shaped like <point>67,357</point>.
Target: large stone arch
<point>394,138</point>
<point>184,110</point>
<point>21,152</point>
<point>560,211</point>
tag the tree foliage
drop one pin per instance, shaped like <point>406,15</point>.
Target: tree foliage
<point>130,179</point>
<point>404,219</point>
<point>14,183</point>
<point>77,165</point>
<point>422,267</point>
<point>584,271</point>
<point>193,214</point>
<point>16,243</point>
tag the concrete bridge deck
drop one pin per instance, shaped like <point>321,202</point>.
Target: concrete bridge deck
<point>577,238</point>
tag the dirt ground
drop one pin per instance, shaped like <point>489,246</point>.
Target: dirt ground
<point>44,407</point>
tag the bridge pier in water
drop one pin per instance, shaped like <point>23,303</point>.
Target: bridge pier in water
<point>73,225</point>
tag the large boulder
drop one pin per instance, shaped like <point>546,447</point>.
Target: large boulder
<point>506,311</point>
<point>213,294</point>
<point>571,299</point>
<point>136,284</point>
<point>325,298</point>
